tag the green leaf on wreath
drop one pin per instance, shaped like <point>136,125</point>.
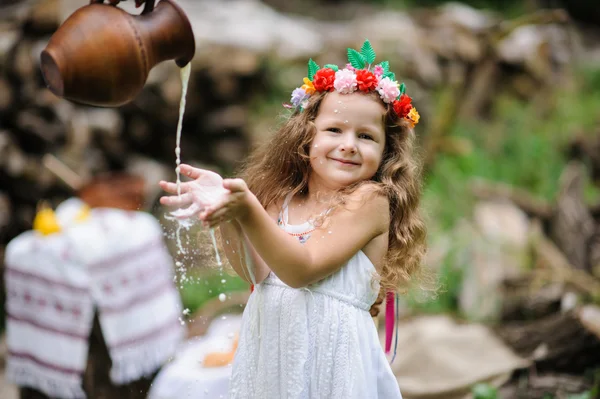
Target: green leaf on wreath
<point>331,66</point>
<point>313,67</point>
<point>390,75</point>
<point>386,66</point>
<point>368,52</point>
<point>357,60</point>
<point>402,88</point>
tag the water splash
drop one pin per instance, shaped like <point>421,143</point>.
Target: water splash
<point>214,242</point>
<point>185,78</point>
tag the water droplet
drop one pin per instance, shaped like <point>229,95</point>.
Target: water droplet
<point>230,335</point>
<point>224,318</point>
<point>336,111</point>
<point>329,232</point>
<point>223,281</point>
<point>346,121</point>
<point>178,264</point>
<point>222,297</point>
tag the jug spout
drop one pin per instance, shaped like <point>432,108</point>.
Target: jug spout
<point>102,55</point>
<point>173,42</point>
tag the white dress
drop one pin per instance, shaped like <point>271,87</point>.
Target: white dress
<point>315,342</point>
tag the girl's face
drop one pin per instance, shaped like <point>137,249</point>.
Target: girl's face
<point>349,140</point>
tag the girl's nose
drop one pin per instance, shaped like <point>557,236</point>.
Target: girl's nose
<point>351,148</point>
<point>348,145</point>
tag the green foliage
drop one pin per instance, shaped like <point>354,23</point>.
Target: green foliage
<point>203,286</point>
<point>313,67</point>
<point>385,65</point>
<point>519,146</point>
<point>484,391</point>
<point>331,66</point>
<point>584,395</point>
<point>367,52</point>
<point>390,75</point>
<point>356,59</point>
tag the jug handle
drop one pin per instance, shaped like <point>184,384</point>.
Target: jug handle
<point>148,6</point>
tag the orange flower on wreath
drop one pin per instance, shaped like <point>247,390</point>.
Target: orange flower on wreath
<point>308,87</point>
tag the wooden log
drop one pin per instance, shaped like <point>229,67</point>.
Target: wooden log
<point>555,267</point>
<point>557,343</point>
<point>532,385</point>
<point>43,18</point>
<point>7,95</point>
<point>531,205</point>
<point>572,225</point>
<point>587,149</point>
<point>594,252</point>
<point>523,300</point>
<point>38,129</point>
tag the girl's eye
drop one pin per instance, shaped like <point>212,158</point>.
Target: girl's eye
<point>334,130</point>
<point>365,136</point>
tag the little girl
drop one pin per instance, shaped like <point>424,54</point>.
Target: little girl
<point>324,216</point>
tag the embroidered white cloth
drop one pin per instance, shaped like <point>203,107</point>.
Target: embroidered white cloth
<point>115,262</point>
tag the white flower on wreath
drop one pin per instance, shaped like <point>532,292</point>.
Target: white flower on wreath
<point>388,90</point>
<point>299,95</point>
<point>345,81</point>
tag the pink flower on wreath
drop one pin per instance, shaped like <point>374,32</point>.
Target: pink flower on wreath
<point>388,90</point>
<point>345,81</point>
<point>378,70</point>
<point>350,67</point>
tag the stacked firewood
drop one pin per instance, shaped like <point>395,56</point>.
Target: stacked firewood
<point>50,148</point>
<point>550,313</point>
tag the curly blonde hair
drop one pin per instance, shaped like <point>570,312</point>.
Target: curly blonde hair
<point>282,166</point>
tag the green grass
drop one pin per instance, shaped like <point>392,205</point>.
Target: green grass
<point>519,146</point>
<point>203,286</point>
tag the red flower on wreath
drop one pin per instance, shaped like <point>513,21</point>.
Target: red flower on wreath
<point>403,106</point>
<point>366,80</point>
<point>323,79</point>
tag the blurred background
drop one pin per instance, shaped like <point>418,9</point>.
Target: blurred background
<point>509,97</point>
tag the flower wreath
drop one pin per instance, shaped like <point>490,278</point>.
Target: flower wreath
<point>359,74</point>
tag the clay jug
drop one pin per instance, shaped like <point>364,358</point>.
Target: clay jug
<point>102,55</point>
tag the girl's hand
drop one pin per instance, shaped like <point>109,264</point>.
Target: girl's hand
<point>232,206</point>
<point>206,189</point>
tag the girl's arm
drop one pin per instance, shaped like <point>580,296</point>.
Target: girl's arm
<point>364,217</point>
<point>245,261</point>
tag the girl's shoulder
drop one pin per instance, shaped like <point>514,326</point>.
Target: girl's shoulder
<point>368,196</point>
